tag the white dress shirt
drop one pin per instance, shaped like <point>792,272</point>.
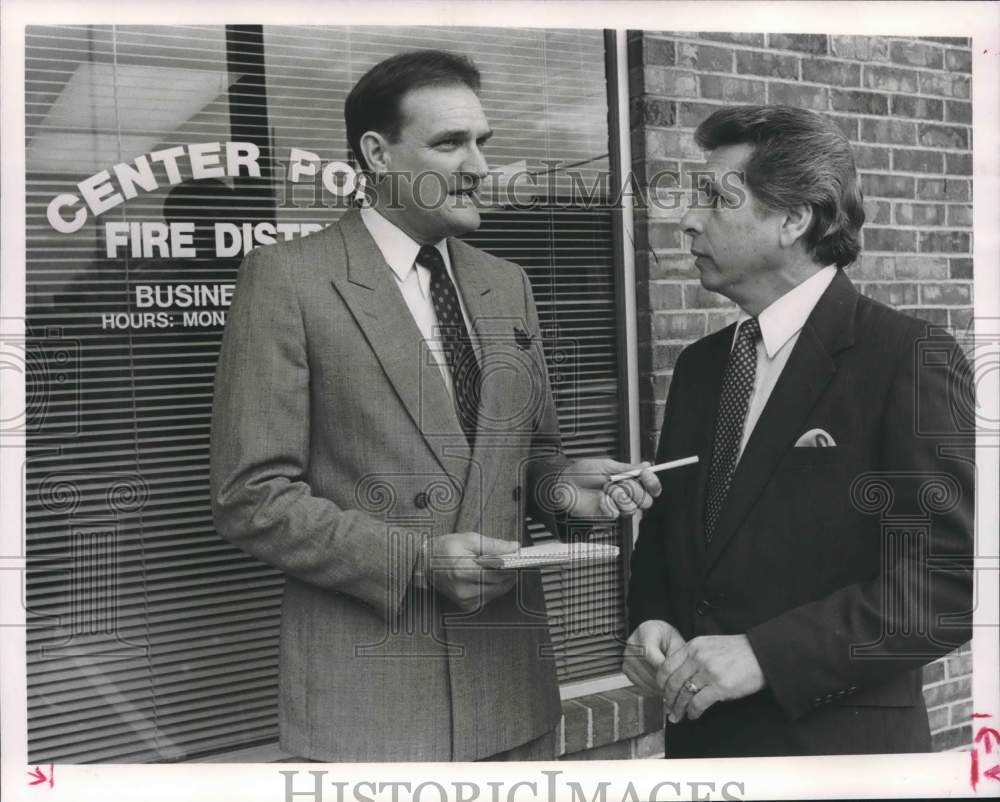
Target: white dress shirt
<point>780,324</point>
<point>414,281</point>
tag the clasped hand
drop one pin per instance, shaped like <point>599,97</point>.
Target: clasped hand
<point>691,675</point>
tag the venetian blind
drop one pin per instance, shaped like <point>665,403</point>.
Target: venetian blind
<point>150,638</point>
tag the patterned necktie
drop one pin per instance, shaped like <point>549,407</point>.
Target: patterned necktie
<point>737,386</point>
<point>459,354</point>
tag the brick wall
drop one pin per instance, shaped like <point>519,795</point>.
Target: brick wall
<point>905,105</point>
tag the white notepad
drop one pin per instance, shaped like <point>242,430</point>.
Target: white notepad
<point>551,554</point>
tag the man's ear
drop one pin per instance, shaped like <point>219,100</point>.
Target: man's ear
<point>795,224</point>
<point>373,147</point>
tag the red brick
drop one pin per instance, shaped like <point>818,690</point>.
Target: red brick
<point>878,212</point>
<point>704,57</point>
<point>946,295</point>
<point>958,111</point>
<point>772,65</point>
<point>719,320</point>
<point>690,114</point>
<point>923,108</point>
<point>960,319</point>
<point>637,136</point>
<point>657,52</point>
<point>808,97</point>
<point>849,125</point>
<point>751,39</point>
<point>575,722</point>
<point>960,216</point>
<point>957,60</point>
<point>937,83</point>
<point>958,163</point>
<point>952,739</point>
<point>924,267</point>
<point>889,239</point>
<point>938,718</point>
<point>665,356</point>
<point>649,745</point>
<point>920,214</point>
<point>670,82</point>
<point>859,102</point>
<point>814,43</point>
<point>616,751</point>
<point>893,293</point>
<point>916,54</point>
<point>944,242</point>
<point>736,90</point>
<point>917,161</point>
<point>887,186</point>
<point>697,297</point>
<point>679,325</point>
<point>831,71</point>
<point>943,136</point>
<point>629,712</point>
<point>670,265</point>
<point>887,131</point>
<point>602,719</point>
<point>949,189</point>
<point>960,268</point>
<point>666,296</point>
<point>959,665</point>
<point>961,713</point>
<point>874,267</point>
<point>654,111</point>
<point>871,157</point>
<point>936,317</point>
<point>890,79</point>
<point>651,712</point>
<point>860,48</point>
<point>662,143</point>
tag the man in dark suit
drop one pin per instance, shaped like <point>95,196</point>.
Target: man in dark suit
<point>382,418</point>
<point>774,602</point>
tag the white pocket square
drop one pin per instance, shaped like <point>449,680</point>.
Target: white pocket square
<point>815,438</point>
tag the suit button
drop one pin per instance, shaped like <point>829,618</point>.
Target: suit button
<point>420,500</point>
<point>702,607</point>
<point>516,493</point>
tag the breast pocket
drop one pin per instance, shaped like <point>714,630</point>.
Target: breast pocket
<point>811,487</point>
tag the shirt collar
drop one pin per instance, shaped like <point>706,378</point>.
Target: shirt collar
<point>785,317</point>
<point>398,248</point>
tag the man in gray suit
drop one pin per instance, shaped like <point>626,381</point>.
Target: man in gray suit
<point>382,418</point>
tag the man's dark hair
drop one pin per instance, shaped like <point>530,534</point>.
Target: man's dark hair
<point>799,157</point>
<point>373,104</point>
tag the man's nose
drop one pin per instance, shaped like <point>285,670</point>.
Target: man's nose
<point>691,222</point>
<point>475,163</point>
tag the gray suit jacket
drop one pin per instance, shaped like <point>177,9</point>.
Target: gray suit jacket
<point>335,449</point>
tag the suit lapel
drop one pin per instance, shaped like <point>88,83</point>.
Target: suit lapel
<point>475,285</point>
<point>805,377</point>
<point>374,299</point>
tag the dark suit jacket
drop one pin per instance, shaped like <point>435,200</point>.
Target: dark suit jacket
<point>847,566</point>
<point>335,448</point>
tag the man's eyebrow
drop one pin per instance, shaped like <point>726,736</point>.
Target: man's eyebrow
<point>460,133</point>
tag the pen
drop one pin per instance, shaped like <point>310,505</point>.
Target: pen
<point>663,466</point>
